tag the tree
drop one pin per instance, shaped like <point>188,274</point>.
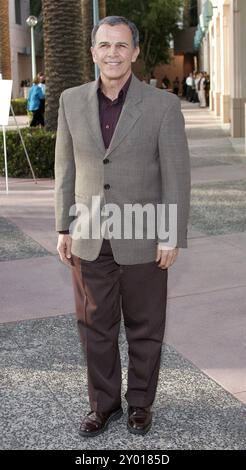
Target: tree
<point>5,64</point>
<point>67,39</point>
<point>190,13</point>
<point>87,25</point>
<point>156,20</point>
<point>62,52</point>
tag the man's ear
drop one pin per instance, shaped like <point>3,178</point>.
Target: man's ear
<point>93,54</point>
<point>136,54</point>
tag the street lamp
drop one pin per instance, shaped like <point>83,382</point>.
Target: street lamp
<point>31,22</point>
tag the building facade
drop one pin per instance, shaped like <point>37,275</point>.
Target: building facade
<point>20,45</point>
<point>222,55</point>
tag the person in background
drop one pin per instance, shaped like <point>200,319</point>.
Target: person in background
<point>165,83</point>
<point>153,80</point>
<point>197,81</point>
<point>201,90</point>
<point>189,87</point>
<point>33,103</point>
<point>176,86</point>
<point>184,87</point>
<point>42,85</point>
<point>207,87</point>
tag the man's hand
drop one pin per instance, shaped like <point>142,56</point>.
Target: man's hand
<point>64,248</point>
<point>166,257</point>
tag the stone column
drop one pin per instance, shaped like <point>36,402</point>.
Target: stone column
<point>212,66</point>
<point>225,63</point>
<point>217,64</point>
<point>238,67</point>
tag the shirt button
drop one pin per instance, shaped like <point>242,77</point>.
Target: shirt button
<point>107,126</point>
<point>106,160</point>
<point>106,186</point>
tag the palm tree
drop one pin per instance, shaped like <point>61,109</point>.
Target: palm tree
<point>87,25</point>
<point>62,52</point>
<point>67,29</point>
<point>102,8</point>
<point>5,64</point>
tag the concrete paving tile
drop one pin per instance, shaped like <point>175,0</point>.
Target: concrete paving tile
<point>35,288</point>
<point>237,240</point>
<point>241,396</point>
<point>222,172</point>
<point>208,265</point>
<point>209,330</point>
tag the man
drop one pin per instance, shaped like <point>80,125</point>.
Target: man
<point>119,142</point>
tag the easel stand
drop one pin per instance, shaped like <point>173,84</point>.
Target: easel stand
<point>5,151</point>
<point>5,159</point>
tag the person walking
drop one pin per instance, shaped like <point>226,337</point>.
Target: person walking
<point>120,143</point>
<point>33,103</point>
<point>42,85</point>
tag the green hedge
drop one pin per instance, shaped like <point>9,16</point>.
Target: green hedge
<point>40,145</point>
<point>19,106</point>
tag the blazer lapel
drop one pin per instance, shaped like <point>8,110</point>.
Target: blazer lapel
<point>129,115</point>
<point>92,116</point>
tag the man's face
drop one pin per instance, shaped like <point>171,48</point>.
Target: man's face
<point>114,51</point>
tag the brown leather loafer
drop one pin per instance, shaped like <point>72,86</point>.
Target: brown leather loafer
<point>95,422</point>
<point>139,419</point>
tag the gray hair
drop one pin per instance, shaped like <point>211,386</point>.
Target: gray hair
<point>112,21</point>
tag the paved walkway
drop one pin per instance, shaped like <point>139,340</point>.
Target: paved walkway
<point>201,395</point>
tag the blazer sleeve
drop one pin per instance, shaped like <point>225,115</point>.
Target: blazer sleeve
<point>64,172</point>
<point>175,169</point>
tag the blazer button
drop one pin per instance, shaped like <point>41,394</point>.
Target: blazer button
<point>106,186</point>
<point>106,160</point>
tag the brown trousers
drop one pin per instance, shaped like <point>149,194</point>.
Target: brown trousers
<point>102,289</point>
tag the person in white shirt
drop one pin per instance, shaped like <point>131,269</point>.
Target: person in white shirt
<point>189,84</point>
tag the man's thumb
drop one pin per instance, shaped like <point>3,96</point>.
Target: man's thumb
<point>68,252</point>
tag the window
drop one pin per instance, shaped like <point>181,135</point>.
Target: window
<point>18,11</point>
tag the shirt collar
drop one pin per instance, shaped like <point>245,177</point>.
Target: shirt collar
<point>122,92</point>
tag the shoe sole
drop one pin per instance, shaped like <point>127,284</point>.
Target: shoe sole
<point>113,417</point>
<point>139,431</point>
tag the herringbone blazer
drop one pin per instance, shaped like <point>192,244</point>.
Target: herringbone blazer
<point>147,163</point>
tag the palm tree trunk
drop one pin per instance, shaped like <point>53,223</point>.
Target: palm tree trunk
<point>87,25</point>
<point>5,63</point>
<point>102,8</point>
<point>62,52</point>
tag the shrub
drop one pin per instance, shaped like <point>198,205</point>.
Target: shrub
<point>40,145</point>
<point>19,106</point>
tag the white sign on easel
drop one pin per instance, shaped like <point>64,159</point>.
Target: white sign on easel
<point>5,100</point>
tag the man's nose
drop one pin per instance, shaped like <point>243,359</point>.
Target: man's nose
<point>113,49</point>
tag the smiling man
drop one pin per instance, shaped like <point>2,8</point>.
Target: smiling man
<point>123,141</point>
